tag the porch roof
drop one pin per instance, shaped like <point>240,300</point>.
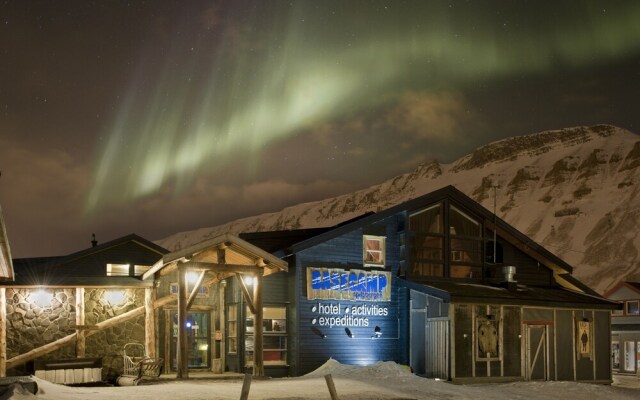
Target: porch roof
<point>236,252</point>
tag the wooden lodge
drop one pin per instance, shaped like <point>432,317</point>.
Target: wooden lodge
<point>438,283</point>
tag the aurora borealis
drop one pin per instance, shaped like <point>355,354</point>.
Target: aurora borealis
<point>155,117</point>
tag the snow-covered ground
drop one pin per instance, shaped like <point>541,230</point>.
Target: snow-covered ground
<point>385,380</point>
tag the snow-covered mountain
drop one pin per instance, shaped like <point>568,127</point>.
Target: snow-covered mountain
<point>575,191</point>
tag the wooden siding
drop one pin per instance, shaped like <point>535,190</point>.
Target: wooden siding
<point>528,270</point>
<point>94,264</point>
<point>602,335</point>
<point>511,340</point>
<point>316,343</point>
<point>463,341</point>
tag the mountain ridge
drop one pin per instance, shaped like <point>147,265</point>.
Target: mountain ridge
<point>573,190</point>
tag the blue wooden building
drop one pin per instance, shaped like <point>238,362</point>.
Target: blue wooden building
<point>438,283</point>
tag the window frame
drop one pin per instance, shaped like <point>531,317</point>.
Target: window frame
<point>629,302</point>
<point>382,251</point>
<point>232,320</point>
<point>249,333</point>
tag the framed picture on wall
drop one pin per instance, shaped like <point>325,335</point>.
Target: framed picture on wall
<point>583,338</point>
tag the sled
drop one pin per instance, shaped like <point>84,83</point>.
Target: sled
<point>137,365</point>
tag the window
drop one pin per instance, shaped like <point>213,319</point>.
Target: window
<point>117,269</point>
<point>632,307</point>
<point>232,329</point>
<point>466,245</point>
<point>427,242</point>
<point>274,338</point>
<point>373,250</point>
<point>202,292</point>
<point>140,269</point>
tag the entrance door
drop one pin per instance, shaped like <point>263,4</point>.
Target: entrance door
<point>536,362</point>
<point>198,339</point>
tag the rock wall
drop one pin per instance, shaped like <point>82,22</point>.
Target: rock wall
<point>37,316</point>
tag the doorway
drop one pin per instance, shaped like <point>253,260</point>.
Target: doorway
<point>536,353</point>
<point>198,339</point>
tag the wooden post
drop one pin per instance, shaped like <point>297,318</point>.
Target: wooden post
<point>3,332</point>
<point>246,386</point>
<point>150,322</point>
<point>81,346</point>
<point>258,356</point>
<point>182,359</point>
<point>223,329</point>
<point>331,386</point>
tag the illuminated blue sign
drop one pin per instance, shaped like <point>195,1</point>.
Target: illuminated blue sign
<point>338,284</point>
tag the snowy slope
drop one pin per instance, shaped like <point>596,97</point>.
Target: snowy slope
<point>573,190</point>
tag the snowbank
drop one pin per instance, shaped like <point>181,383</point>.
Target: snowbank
<point>382,381</point>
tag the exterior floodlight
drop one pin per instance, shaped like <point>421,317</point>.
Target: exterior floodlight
<point>42,297</point>
<point>349,333</point>
<point>377,331</point>
<point>115,297</point>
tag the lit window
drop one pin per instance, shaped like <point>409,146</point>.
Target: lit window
<point>427,242</point>
<point>117,269</point>
<point>274,338</point>
<point>373,250</point>
<point>140,269</point>
<point>632,307</point>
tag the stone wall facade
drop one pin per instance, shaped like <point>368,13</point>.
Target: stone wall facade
<point>36,317</point>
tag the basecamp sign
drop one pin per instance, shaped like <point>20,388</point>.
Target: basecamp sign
<point>357,285</point>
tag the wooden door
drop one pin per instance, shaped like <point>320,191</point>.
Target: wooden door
<point>536,352</point>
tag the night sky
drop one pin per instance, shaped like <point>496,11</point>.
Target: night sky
<point>161,116</point>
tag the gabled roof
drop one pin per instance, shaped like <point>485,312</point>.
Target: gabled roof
<point>274,241</point>
<point>506,231</point>
<point>88,267</point>
<point>113,243</point>
<point>634,286</point>
<point>6,264</point>
<point>237,252</point>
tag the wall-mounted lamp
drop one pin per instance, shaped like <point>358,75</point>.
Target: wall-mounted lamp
<point>249,280</point>
<point>115,297</point>
<point>191,278</point>
<point>377,332</point>
<point>318,332</point>
<point>464,335</point>
<point>42,297</point>
<point>349,333</point>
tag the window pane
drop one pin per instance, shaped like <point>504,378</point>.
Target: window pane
<point>463,225</point>
<point>466,271</point>
<point>427,269</point>
<point>373,250</point>
<point>117,269</point>
<point>427,221</point>
<point>632,307</point>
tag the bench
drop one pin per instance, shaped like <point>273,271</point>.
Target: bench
<point>70,371</point>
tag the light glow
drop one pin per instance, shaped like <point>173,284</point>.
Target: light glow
<point>115,297</point>
<point>42,297</point>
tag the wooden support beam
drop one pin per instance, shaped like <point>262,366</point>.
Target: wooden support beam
<point>3,332</point>
<point>182,371</point>
<point>231,268</point>
<point>221,324</point>
<point>258,356</point>
<point>196,288</point>
<point>101,326</point>
<point>150,322</point>
<point>81,344</point>
<point>245,293</point>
